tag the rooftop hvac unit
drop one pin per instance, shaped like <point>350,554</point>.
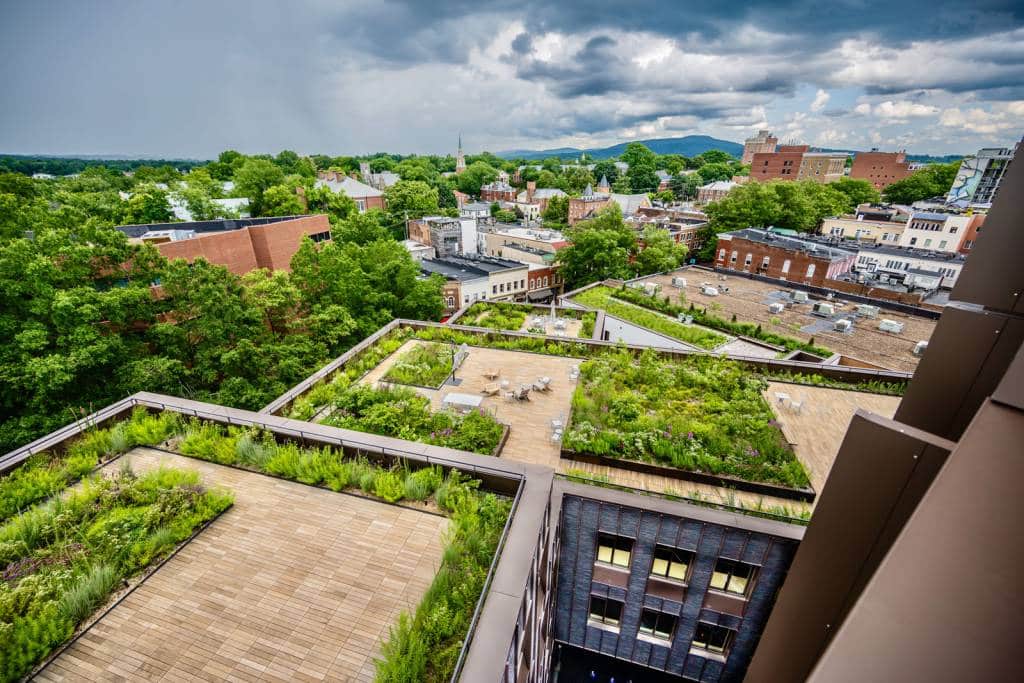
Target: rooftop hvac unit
<point>868,311</point>
<point>890,326</point>
<point>883,277</point>
<point>824,309</point>
<point>652,288</point>
<point>799,297</point>
<point>685,318</point>
<point>843,325</point>
<point>776,308</point>
<point>708,290</point>
<point>920,347</point>
<point>679,282</point>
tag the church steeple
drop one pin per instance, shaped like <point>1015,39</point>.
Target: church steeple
<point>460,159</point>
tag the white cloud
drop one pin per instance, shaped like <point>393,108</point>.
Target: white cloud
<point>820,100</point>
<point>978,120</point>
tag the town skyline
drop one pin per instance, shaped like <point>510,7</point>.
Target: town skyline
<point>180,82</point>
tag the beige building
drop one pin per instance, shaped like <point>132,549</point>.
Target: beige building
<point>764,141</point>
<point>861,230</point>
<point>822,167</point>
<point>525,245</point>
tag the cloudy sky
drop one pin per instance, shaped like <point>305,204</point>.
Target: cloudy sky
<point>188,79</point>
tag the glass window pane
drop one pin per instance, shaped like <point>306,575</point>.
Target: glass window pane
<point>596,608</point>
<point>677,570</point>
<point>719,579</point>
<point>660,567</point>
<point>604,553</point>
<point>700,639</point>
<point>648,621</point>
<point>613,611</point>
<point>738,584</point>
<point>621,557</point>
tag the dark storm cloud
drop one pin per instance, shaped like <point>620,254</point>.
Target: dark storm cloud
<point>192,77</point>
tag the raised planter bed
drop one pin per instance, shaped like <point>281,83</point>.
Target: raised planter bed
<point>806,495</point>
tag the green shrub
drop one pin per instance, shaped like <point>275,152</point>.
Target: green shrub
<point>425,365</point>
<point>422,483</point>
<point>389,486</point>
<point>86,595</point>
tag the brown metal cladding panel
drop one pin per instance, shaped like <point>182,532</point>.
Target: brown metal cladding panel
<point>945,603</point>
<point>611,577</point>
<point>875,466</point>
<point>966,358</point>
<point>666,590</point>
<point>726,604</point>
<point>992,275</point>
<point>1011,389</point>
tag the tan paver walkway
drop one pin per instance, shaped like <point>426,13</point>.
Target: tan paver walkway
<point>293,583</point>
<point>818,429</point>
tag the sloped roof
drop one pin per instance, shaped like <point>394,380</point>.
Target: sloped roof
<point>351,187</point>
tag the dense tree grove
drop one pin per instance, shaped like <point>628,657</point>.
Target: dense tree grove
<point>81,324</point>
<point>933,180</point>
<point>605,247</point>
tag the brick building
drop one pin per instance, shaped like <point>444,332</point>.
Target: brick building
<point>712,192</point>
<point>797,162</point>
<point>763,142</point>
<point>440,232</point>
<point>497,192</point>
<point>787,258</point>
<point>586,205</point>
<point>240,245</point>
<point>881,169</point>
<point>971,233</point>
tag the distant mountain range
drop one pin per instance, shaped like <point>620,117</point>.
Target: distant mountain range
<point>688,146</point>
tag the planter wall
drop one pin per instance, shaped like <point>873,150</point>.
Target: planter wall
<point>760,488</point>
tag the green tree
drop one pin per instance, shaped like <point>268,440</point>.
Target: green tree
<point>281,200</point>
<point>547,179</point>
<point>360,228</point>
<point>673,163</point>
<point>606,169</point>
<point>476,175</point>
<point>712,156</point>
<point>858,191</point>
<point>660,252</point>
<point>600,248</point>
<point>505,216</point>
<point>408,199</point>
<point>714,171</point>
<point>337,205</point>
<point>684,187</point>
<point>637,153</point>
<point>576,178</point>
<point>148,204</point>
<point>933,180</point>
<point>253,178</point>
<point>557,211</point>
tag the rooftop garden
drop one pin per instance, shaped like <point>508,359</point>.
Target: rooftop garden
<point>496,315</point>
<point>64,559</point>
<point>606,299</point>
<point>702,414</point>
<point>424,645</point>
<point>424,365</point>
<point>702,317</point>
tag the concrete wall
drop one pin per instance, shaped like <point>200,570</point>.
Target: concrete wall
<point>617,329</point>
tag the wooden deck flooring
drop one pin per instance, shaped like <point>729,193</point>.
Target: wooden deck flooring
<point>293,583</point>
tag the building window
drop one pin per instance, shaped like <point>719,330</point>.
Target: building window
<point>721,254</point>
<point>361,205</point>
<point>765,261</point>
<point>451,302</point>
<point>810,270</point>
<point>942,244</point>
<point>494,289</point>
<point>927,243</point>
<point>320,236</point>
<point>605,611</point>
<point>714,639</point>
<point>671,563</point>
<point>747,260</point>
<point>657,624</point>
<point>785,266</point>
<point>501,287</point>
<point>466,299</point>
<point>522,284</point>
<point>913,241</point>
<point>735,254</point>
<point>968,244</point>
<point>732,577</point>
<point>545,280</point>
<point>614,549</point>
<point>533,283</point>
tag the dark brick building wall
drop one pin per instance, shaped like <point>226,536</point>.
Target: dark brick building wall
<point>783,164</point>
<point>578,579</point>
<point>881,169</point>
<point>785,264</point>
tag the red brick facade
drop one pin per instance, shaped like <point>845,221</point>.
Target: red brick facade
<point>772,261</point>
<point>581,208</point>
<point>783,164</point>
<point>881,169</point>
<point>488,194</point>
<point>258,246</point>
<point>971,234</point>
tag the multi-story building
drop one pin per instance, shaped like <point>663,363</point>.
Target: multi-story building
<point>763,142</point>
<point>787,258</point>
<point>881,169</point>
<point>525,244</point>
<point>714,191</point>
<point>686,227</point>
<point>860,228</point>
<point>363,195</point>
<point>482,277</point>
<point>541,196</point>
<point>240,245</point>
<point>586,205</point>
<point>797,162</point>
<point>544,283</point>
<point>979,176</point>
<point>911,267</point>
<point>497,191</point>
<point>478,211</point>
<point>442,233</point>
<point>936,231</point>
<point>972,232</point>
<point>822,167</point>
<point>381,181</point>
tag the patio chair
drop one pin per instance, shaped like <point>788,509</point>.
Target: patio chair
<point>797,406</point>
<point>491,389</point>
<point>491,374</point>
<point>523,394</point>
